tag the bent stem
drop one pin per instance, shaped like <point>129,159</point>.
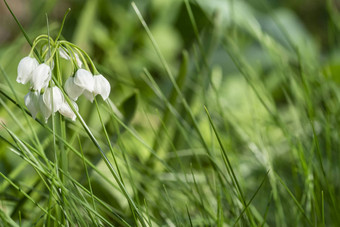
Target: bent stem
<point>62,24</point>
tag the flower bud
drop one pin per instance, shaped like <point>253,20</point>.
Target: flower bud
<point>41,76</point>
<point>84,79</point>
<point>46,112</point>
<point>73,90</point>
<point>32,102</point>
<point>53,95</point>
<point>66,110</point>
<point>101,86</point>
<point>25,68</point>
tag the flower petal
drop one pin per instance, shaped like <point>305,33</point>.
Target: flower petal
<point>73,90</point>
<point>46,112</point>
<point>84,79</point>
<point>101,86</point>
<point>41,76</point>
<point>89,95</point>
<point>25,68</point>
<point>66,110</point>
<point>57,101</point>
<point>32,102</point>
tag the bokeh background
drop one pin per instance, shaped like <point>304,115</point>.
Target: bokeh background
<point>244,58</point>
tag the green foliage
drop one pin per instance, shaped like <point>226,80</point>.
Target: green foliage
<point>221,113</point>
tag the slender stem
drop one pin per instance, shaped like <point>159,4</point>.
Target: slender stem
<point>87,174</point>
<point>52,55</point>
<point>81,51</point>
<point>108,139</point>
<point>68,51</point>
<point>37,40</point>
<point>62,24</point>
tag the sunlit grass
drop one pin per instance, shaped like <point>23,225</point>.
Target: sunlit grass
<point>236,125</point>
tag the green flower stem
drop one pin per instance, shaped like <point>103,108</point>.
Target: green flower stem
<point>62,152</point>
<point>55,48</point>
<point>62,24</point>
<point>79,51</point>
<point>95,71</point>
<point>57,68</point>
<point>87,175</point>
<point>37,41</point>
<point>107,139</point>
<point>74,59</point>
<point>83,59</point>
<point>61,156</point>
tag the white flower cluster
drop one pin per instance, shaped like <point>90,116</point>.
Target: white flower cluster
<point>44,96</point>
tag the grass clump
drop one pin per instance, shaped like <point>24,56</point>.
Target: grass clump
<point>220,113</point>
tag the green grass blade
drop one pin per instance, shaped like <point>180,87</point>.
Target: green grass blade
<point>229,166</point>
<point>295,200</point>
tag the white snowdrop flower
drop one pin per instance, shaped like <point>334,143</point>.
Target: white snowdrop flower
<point>84,79</point>
<point>25,68</point>
<point>46,112</point>
<point>54,96</point>
<point>66,110</point>
<point>57,98</point>
<point>41,76</point>
<point>73,90</point>
<point>81,83</point>
<point>101,86</point>
<point>32,102</point>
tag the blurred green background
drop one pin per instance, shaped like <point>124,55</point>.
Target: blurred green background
<point>244,58</point>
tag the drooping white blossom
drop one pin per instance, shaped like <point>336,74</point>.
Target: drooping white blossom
<point>32,102</point>
<point>84,79</point>
<point>51,101</point>
<point>101,86</point>
<point>66,110</point>
<point>25,68</point>
<point>45,111</point>
<point>53,95</point>
<point>73,90</point>
<point>81,83</point>
<point>41,76</point>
